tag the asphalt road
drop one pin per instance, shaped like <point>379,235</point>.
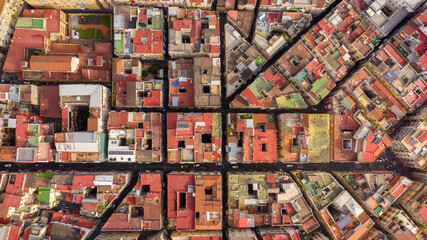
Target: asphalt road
<point>390,163</point>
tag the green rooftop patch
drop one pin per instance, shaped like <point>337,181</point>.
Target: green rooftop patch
<point>245,116</point>
<point>90,33</point>
<point>95,19</point>
<point>259,61</point>
<point>302,75</point>
<point>259,85</point>
<point>44,194</point>
<point>295,101</point>
<point>46,175</point>
<point>319,85</point>
<point>402,50</point>
<point>118,46</point>
<point>32,23</point>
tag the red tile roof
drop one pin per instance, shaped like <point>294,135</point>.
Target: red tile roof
<point>326,27</point>
<point>179,183</point>
<point>81,181</point>
<point>121,222</point>
<point>423,60</point>
<point>423,213</point>
<point>50,101</point>
<point>423,18</point>
<point>30,38</point>
<point>392,51</point>
<point>51,63</point>
<point>152,43</point>
<point>13,232</point>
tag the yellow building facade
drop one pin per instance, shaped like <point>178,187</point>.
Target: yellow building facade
<point>68,4</point>
<point>10,11</point>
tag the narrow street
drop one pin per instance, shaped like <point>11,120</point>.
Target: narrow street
<point>283,50</point>
<point>224,167</point>
<point>134,175</point>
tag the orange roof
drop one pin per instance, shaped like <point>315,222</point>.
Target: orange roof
<point>423,213</point>
<point>398,191</point>
<point>381,90</point>
<point>30,38</point>
<point>396,54</point>
<point>371,203</point>
<point>8,154</point>
<point>92,124</point>
<point>118,66</point>
<point>423,18</point>
<point>51,63</point>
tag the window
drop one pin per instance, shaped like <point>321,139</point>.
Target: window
<point>182,90</point>
<point>206,89</point>
<point>346,144</point>
<point>182,201</point>
<point>144,190</point>
<point>206,138</point>
<point>264,147</point>
<point>208,191</point>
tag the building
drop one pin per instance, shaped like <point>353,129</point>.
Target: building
<point>239,234</point>
<point>250,204</point>
<point>242,59</point>
<point>33,195</point>
<point>65,226</point>
<point>353,137</point>
<point>252,138</point>
<point>33,139</point>
<point>134,137</point>
<point>50,102</point>
<point>385,15</point>
<point>195,82</point>
<point>194,235</point>
<point>375,102</point>
<point>399,225</point>
<point>205,4</point>
<point>332,52</point>
<point>24,96</point>
<point>303,137</point>
<point>280,233</point>
<point>377,192</point>
<point>353,30</point>
<point>374,234</point>
<point>270,90</point>
<point>194,137</point>
<point>189,37</point>
<point>275,29</point>
<point>138,32</point>
<point>137,84</point>
<point>318,235</point>
<point>45,47</point>
<point>84,123</point>
<point>413,202</point>
<point>142,208</point>
<point>240,20</point>
<point>297,5</point>
<point>68,5</point>
<point>409,141</point>
<point>194,201</point>
<point>9,13</point>
<point>339,212</point>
